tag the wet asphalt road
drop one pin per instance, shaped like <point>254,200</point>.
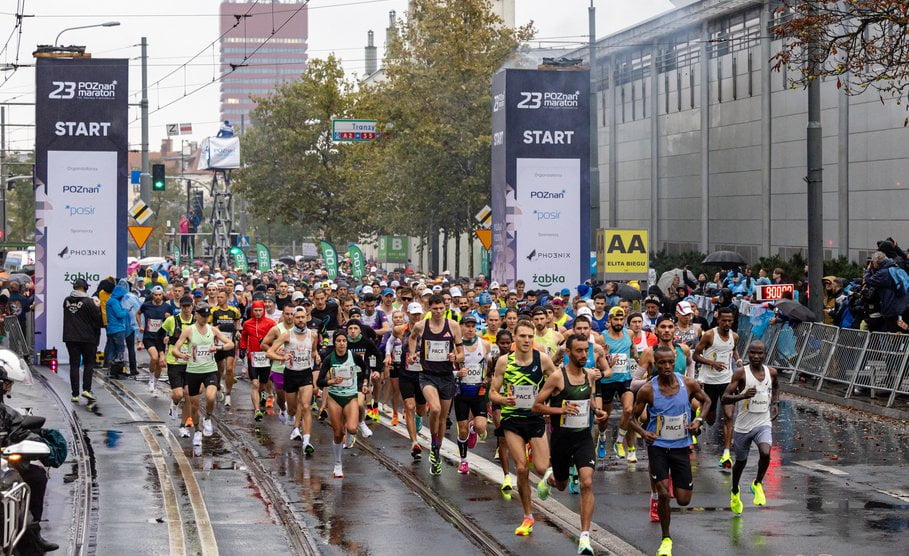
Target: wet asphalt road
<point>838,484</point>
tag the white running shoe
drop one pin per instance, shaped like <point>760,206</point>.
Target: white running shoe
<point>207,429</point>
<point>295,434</point>
<point>338,473</point>
<point>197,438</point>
<point>351,440</point>
<point>227,400</point>
<point>364,430</point>
<point>184,432</point>
<point>173,411</point>
<point>220,395</point>
<point>282,417</point>
<point>152,387</point>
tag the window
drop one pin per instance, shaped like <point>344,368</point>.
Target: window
<point>734,32</point>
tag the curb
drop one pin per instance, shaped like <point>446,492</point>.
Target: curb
<point>851,403</point>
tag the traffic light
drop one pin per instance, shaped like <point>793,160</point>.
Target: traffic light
<point>157,177</point>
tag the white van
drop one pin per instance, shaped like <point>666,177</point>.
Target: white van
<point>15,260</point>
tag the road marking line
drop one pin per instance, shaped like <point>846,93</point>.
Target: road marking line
<point>896,493</point>
<point>171,508</point>
<point>821,467</point>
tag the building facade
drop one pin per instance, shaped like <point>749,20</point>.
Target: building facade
<point>703,143</point>
<point>262,45</point>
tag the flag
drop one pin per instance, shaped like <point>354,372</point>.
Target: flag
<point>176,253</point>
<point>331,259</point>
<point>263,257</point>
<point>186,129</point>
<point>357,261</point>
<point>239,259</point>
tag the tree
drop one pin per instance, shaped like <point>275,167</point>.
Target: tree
<point>863,44</point>
<point>293,171</point>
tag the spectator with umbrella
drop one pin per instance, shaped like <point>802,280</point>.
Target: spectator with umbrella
<point>890,283</point>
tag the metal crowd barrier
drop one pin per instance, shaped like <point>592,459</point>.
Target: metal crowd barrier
<point>846,360</point>
<point>18,343</point>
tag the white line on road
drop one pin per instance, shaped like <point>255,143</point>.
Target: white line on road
<point>171,508</point>
<point>821,467</point>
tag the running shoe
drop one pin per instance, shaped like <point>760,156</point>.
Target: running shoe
<point>376,415</point>
<point>463,467</point>
<point>507,484</point>
<point>282,417</point>
<point>308,449</point>
<point>619,449</point>
<point>269,402</point>
<point>433,456</point>
<point>758,490</point>
<point>735,503</point>
<point>601,447</point>
<point>416,452</point>
<point>351,441</point>
<point>87,394</point>
<point>471,437</point>
<point>173,411</point>
<point>574,485</point>
<point>75,399</point>
<point>207,429</point>
<point>338,472</point>
<point>418,423</point>
<point>184,432</point>
<point>726,461</point>
<point>543,487</point>
<point>496,456</point>
<point>323,415</point>
<point>197,438</point>
<point>259,415</point>
<point>221,395</point>
<point>394,419</point>
<point>632,456</point>
<point>436,468</point>
<point>151,385</point>
<point>525,528</point>
<point>584,545</point>
<point>226,400</point>
<point>295,434</point>
<point>665,547</point>
<point>189,423</point>
<point>364,430</point>
<point>654,510</point>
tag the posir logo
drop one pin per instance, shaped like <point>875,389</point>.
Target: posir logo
<point>532,100</point>
<point>547,214</point>
<point>80,210</point>
<point>547,280</point>
<point>68,253</point>
<point>87,276</point>
<point>547,194</point>
<point>82,189</point>
<point>83,89</point>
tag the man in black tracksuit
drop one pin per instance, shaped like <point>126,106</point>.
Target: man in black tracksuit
<point>81,333</point>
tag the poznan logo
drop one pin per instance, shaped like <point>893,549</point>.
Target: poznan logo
<point>532,100</point>
<point>547,194</point>
<point>547,280</point>
<point>498,102</point>
<point>82,189</point>
<point>83,89</point>
<point>84,210</point>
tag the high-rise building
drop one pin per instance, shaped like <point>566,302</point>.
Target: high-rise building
<point>262,45</point>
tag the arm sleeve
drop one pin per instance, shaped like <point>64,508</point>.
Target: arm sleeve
<point>323,372</point>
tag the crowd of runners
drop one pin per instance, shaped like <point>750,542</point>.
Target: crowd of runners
<point>541,371</point>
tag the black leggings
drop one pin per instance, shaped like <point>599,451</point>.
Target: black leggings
<point>81,353</point>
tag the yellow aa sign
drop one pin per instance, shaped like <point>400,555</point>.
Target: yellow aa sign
<point>622,254</point>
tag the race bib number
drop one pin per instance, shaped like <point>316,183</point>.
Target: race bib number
<point>153,325</point>
<point>415,368</point>
<point>259,359</point>
<point>185,349</point>
<point>672,427</point>
<point>579,421</point>
<point>494,352</point>
<point>202,354</point>
<point>474,374</point>
<point>396,353</point>
<point>524,395</point>
<point>621,363</point>
<point>437,350</point>
<point>300,359</point>
<point>346,374</point>
<point>760,403</point>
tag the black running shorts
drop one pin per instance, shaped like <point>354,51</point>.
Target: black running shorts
<point>570,447</point>
<point>464,406</point>
<point>671,461</point>
<point>196,382</point>
<point>176,375</point>
<point>525,427</point>
<point>294,380</point>
<point>410,388</point>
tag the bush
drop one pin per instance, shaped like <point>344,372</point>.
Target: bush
<point>793,269</point>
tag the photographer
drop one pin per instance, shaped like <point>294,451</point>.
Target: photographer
<point>888,282</point>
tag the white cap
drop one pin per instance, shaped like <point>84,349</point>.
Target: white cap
<point>238,288</point>
<point>437,288</point>
<point>383,284</point>
<point>373,268</point>
<point>334,286</point>
<point>366,289</point>
<point>455,292</point>
<point>395,284</point>
<point>584,311</point>
<point>494,286</point>
<point>427,291</point>
<point>415,308</point>
<point>297,295</point>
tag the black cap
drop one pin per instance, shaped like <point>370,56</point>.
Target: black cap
<point>80,284</point>
<point>355,311</point>
<point>203,308</point>
<point>186,300</point>
<point>468,318</point>
<point>538,311</point>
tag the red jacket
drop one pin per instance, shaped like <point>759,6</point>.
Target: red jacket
<point>254,331</point>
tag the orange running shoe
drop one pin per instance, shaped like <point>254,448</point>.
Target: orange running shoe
<point>270,402</point>
<point>525,528</point>
<point>394,419</point>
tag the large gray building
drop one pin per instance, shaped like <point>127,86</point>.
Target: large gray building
<point>704,144</point>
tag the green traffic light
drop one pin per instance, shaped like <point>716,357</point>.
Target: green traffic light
<point>157,177</point>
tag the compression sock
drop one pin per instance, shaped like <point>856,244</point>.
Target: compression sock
<point>338,449</point>
<point>462,447</point>
<point>621,437</point>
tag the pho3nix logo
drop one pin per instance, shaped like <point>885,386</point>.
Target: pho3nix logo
<point>532,100</point>
<point>82,189</point>
<point>546,280</point>
<point>548,255</point>
<point>68,253</point>
<point>63,90</point>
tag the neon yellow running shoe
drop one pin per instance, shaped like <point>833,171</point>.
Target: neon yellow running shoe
<point>525,528</point>
<point>665,547</point>
<point>619,449</point>
<point>506,484</point>
<point>758,490</point>
<point>735,503</point>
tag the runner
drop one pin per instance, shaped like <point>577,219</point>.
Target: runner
<point>621,352</point>
<point>569,399</point>
<point>359,344</point>
<point>502,347</point>
<point>298,348</point>
<point>686,331</point>
<point>409,379</point>
<point>154,312</point>
<point>277,364</point>
<point>171,329</point>
<point>441,350</point>
<point>717,355</point>
<point>340,377</point>
<point>471,397</point>
<point>544,336</point>
<point>201,369</point>
<point>493,325</point>
<point>394,362</point>
<point>755,392</point>
<point>651,312</point>
<point>523,373</point>
<point>667,398</point>
<point>254,331</point>
<point>225,318</point>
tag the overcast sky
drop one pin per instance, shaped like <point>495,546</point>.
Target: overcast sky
<point>176,30</point>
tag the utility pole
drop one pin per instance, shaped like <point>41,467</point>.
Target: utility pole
<point>815,180</point>
<point>144,178</point>
<point>594,143</point>
<point>3,172</point>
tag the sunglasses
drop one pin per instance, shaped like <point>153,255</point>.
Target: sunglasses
<point>406,299</point>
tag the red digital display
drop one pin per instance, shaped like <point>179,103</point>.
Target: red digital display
<point>773,292</point>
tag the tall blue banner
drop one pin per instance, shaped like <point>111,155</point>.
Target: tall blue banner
<point>541,177</point>
<point>81,141</point>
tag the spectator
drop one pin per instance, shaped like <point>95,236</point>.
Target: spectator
<point>831,292</point>
<point>131,303</point>
<point>81,332</point>
<point>118,326</point>
<point>18,305</point>
<point>184,234</point>
<point>891,287</point>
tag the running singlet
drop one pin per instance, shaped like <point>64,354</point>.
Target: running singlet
<point>522,381</point>
<point>202,358</point>
<point>300,351</point>
<point>475,363</point>
<point>681,362</point>
<point>548,341</point>
<point>754,412</point>
<point>346,368</point>
<point>688,337</point>
<point>154,317</point>
<point>278,366</point>
<point>436,347</point>
<point>621,349</point>
<point>172,327</point>
<point>578,394</point>
<point>669,416</point>
<point>412,371</point>
<point>719,350</point>
<point>226,320</point>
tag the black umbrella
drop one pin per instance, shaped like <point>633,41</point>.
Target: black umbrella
<point>793,310</point>
<point>724,257</point>
<point>289,261</point>
<point>627,292</point>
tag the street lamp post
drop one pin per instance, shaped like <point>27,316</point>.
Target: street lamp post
<point>105,24</point>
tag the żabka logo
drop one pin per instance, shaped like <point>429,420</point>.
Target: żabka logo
<point>547,280</point>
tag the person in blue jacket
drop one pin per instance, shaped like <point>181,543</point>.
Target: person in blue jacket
<point>118,326</point>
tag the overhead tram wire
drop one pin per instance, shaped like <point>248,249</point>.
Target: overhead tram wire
<point>172,15</point>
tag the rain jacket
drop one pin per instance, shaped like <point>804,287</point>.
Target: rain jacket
<point>117,316</point>
<point>893,301</point>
